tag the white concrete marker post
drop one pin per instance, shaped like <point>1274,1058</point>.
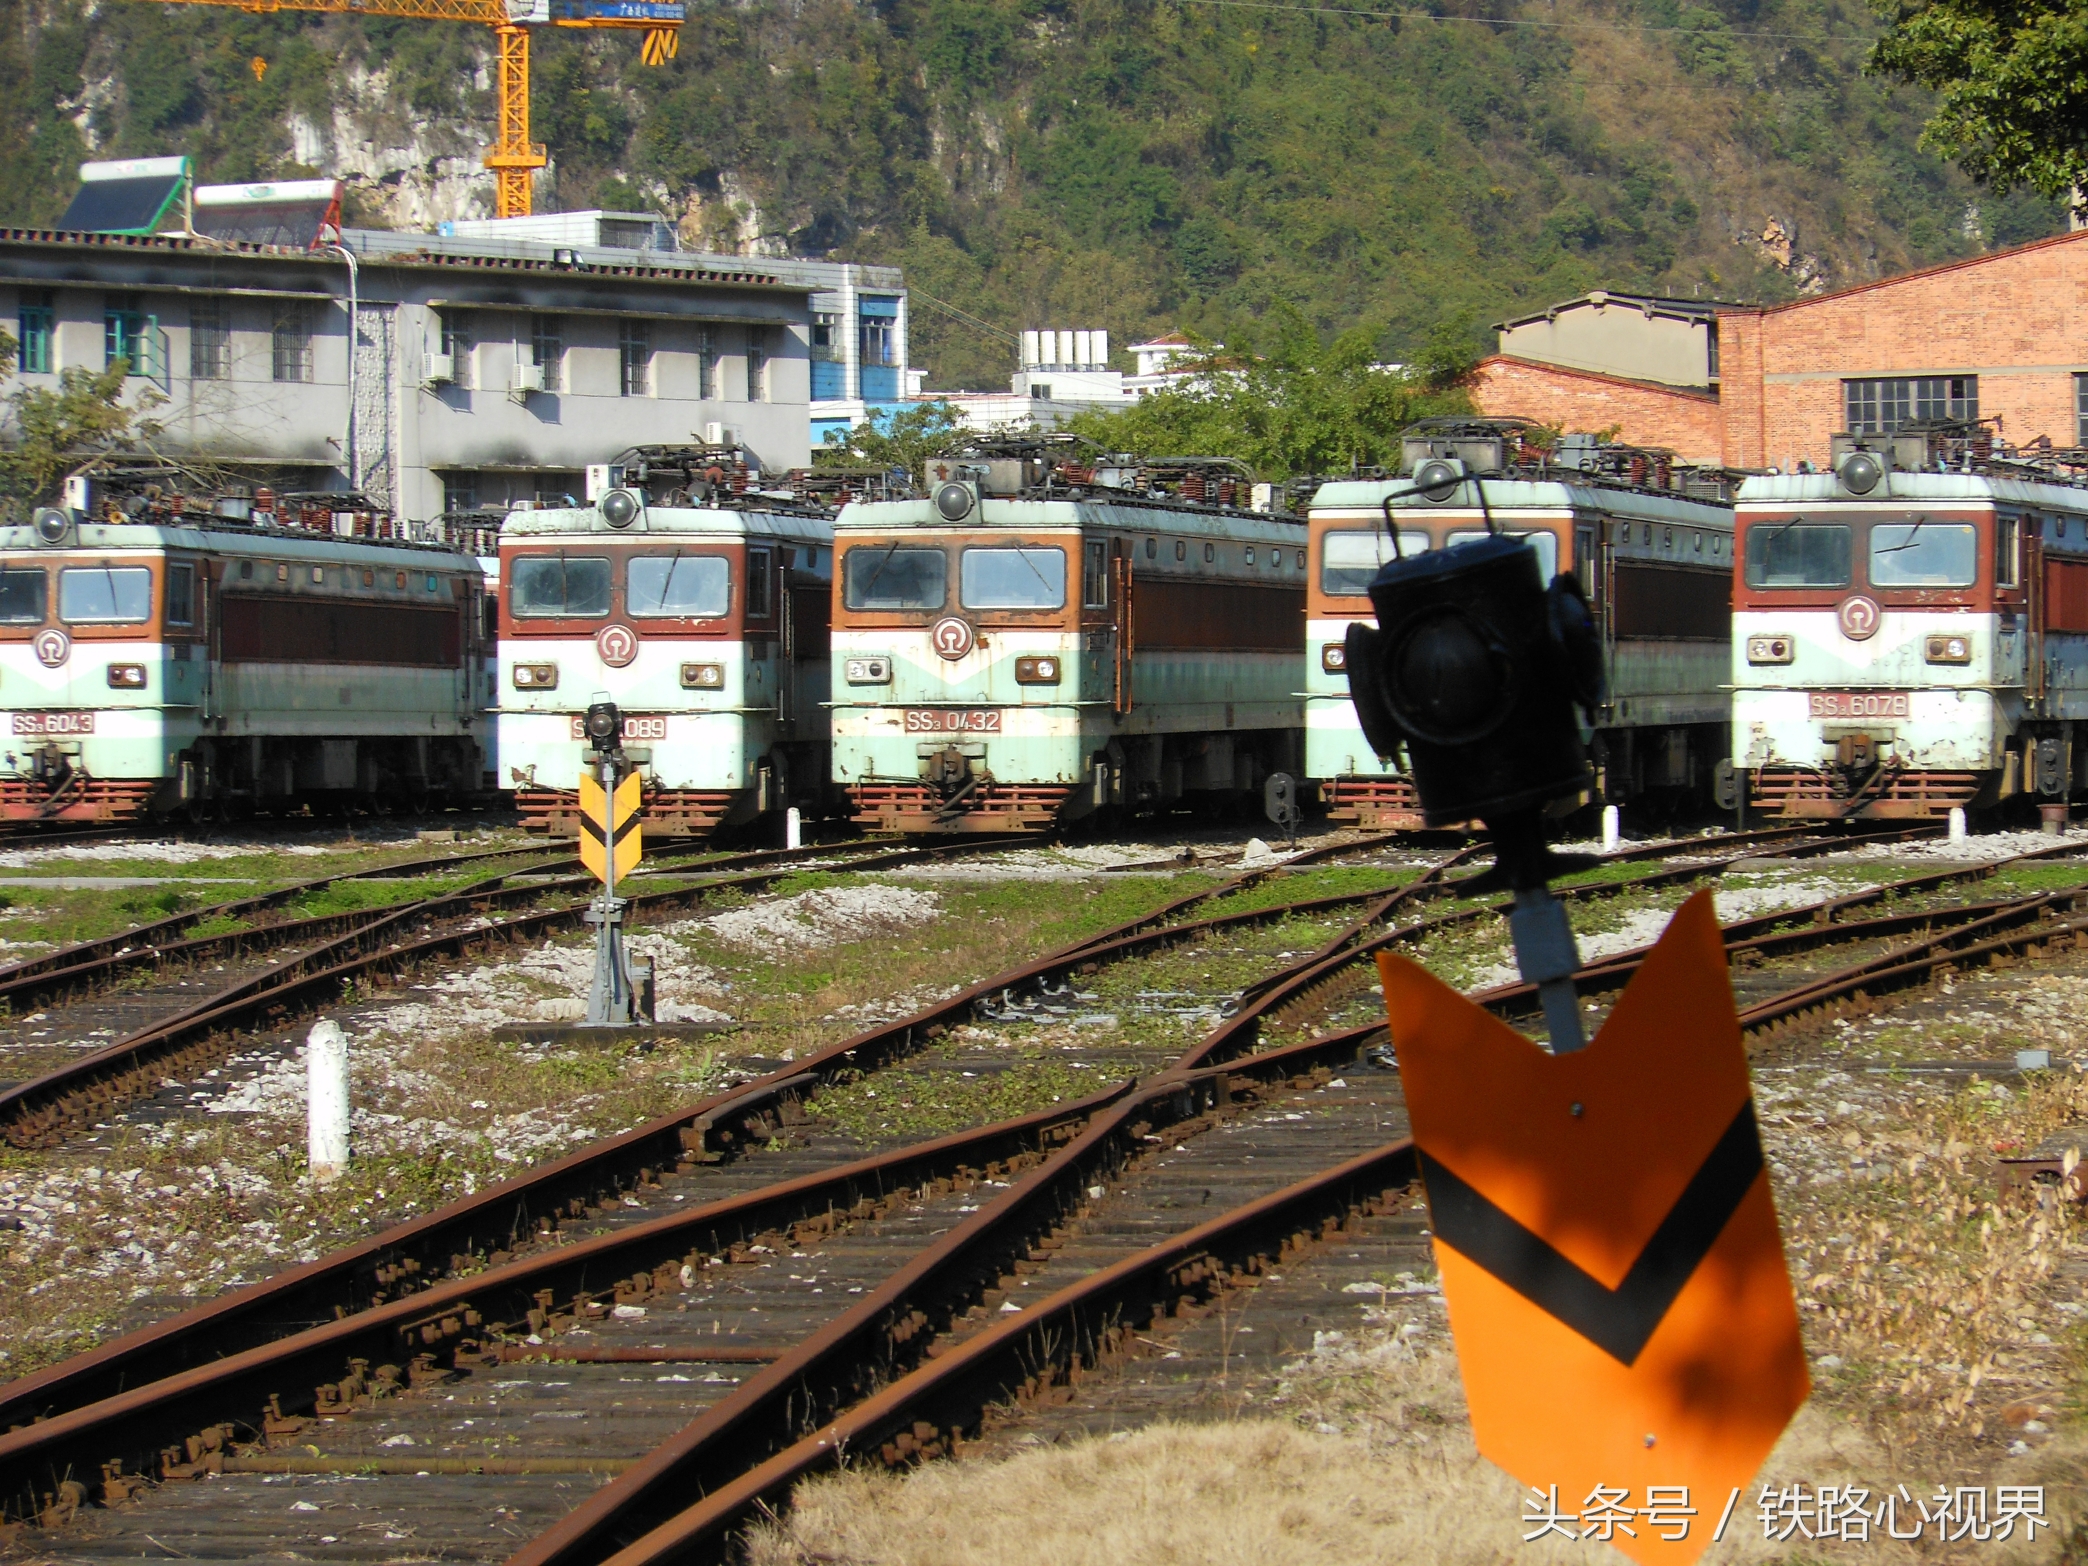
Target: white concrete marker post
<point>1612,829</point>
<point>793,829</point>
<point>1957,824</point>
<point>326,1100</point>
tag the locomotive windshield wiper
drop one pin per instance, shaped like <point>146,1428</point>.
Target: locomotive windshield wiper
<point>1907,543</point>
<point>874,575</point>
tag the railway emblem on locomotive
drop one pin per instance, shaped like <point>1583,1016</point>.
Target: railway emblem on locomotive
<point>951,636</point>
<point>1859,617</point>
<point>53,647</point>
<point>618,645</point>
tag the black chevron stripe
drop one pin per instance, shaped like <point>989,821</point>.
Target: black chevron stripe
<point>1618,1321</point>
<point>593,828</point>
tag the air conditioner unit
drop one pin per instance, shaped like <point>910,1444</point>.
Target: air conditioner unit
<point>442,369</point>
<point>524,379</point>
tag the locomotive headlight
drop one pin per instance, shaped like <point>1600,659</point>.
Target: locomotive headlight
<point>1769,649</point>
<point>1949,649</point>
<point>536,676</point>
<point>126,676</point>
<point>1334,658</point>
<point>868,671</point>
<point>703,676</point>
<point>1036,671</point>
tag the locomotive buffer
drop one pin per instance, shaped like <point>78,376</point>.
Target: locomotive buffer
<point>611,845</point>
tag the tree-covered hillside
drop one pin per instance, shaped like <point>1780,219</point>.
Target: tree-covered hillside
<point>1131,164</point>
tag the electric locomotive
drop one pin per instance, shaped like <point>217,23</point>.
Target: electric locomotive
<point>1051,632</point>
<point>1911,628</point>
<point>695,597</point>
<point>1651,541</point>
<point>169,643</point>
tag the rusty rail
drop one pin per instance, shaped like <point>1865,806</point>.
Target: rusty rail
<point>504,1217</point>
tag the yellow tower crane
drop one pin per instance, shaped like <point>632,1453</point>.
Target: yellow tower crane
<point>513,157</point>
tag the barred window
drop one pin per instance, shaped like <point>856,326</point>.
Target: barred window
<point>634,341</point>
<point>710,369</point>
<point>2081,410</point>
<point>455,327</point>
<point>547,349</point>
<point>757,364</point>
<point>210,340</point>
<point>1881,407</point>
<point>290,345</point>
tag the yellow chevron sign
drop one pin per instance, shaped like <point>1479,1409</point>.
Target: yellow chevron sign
<point>610,818</point>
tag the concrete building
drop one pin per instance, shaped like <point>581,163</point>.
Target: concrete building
<point>859,333</point>
<point>859,340</point>
<point>487,368</point>
<point>2002,337</point>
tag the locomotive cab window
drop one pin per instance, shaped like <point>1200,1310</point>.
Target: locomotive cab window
<point>24,596</point>
<point>1094,574</point>
<point>2008,551</point>
<point>559,587</point>
<point>887,577</point>
<point>1922,553</point>
<point>105,595</point>
<point>1350,558</point>
<point>1546,545</point>
<point>1798,554</point>
<point>761,584</point>
<point>1021,577</point>
<point>181,595</point>
<point>696,587</point>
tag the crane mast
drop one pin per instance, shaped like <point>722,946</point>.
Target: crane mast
<point>513,157</point>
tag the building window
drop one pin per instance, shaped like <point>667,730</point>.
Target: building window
<point>210,340</point>
<point>878,337</point>
<point>2080,398</point>
<point>710,371</point>
<point>123,331</point>
<point>460,492</point>
<point>757,365</point>
<point>37,322</point>
<point>547,349</point>
<point>1711,349</point>
<point>1882,407</point>
<point>826,337</point>
<point>555,491</point>
<point>634,343</point>
<point>290,344</point>
<point>455,328</point>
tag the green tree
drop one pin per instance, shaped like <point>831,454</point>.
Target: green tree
<point>897,441</point>
<point>55,431</point>
<point>1300,405</point>
<point>2011,79</point>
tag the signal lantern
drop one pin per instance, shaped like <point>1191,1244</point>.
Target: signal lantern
<point>1477,667</point>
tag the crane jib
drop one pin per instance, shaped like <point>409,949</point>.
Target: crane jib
<point>538,13</point>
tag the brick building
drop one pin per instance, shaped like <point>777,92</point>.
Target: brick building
<point>2001,336</point>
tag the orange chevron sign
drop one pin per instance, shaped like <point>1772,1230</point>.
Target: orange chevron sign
<point>1606,1236</point>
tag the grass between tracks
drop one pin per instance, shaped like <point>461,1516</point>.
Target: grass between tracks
<point>204,1187</point>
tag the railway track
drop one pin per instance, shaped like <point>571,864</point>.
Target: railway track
<point>326,954</point>
<point>1053,1168</point>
